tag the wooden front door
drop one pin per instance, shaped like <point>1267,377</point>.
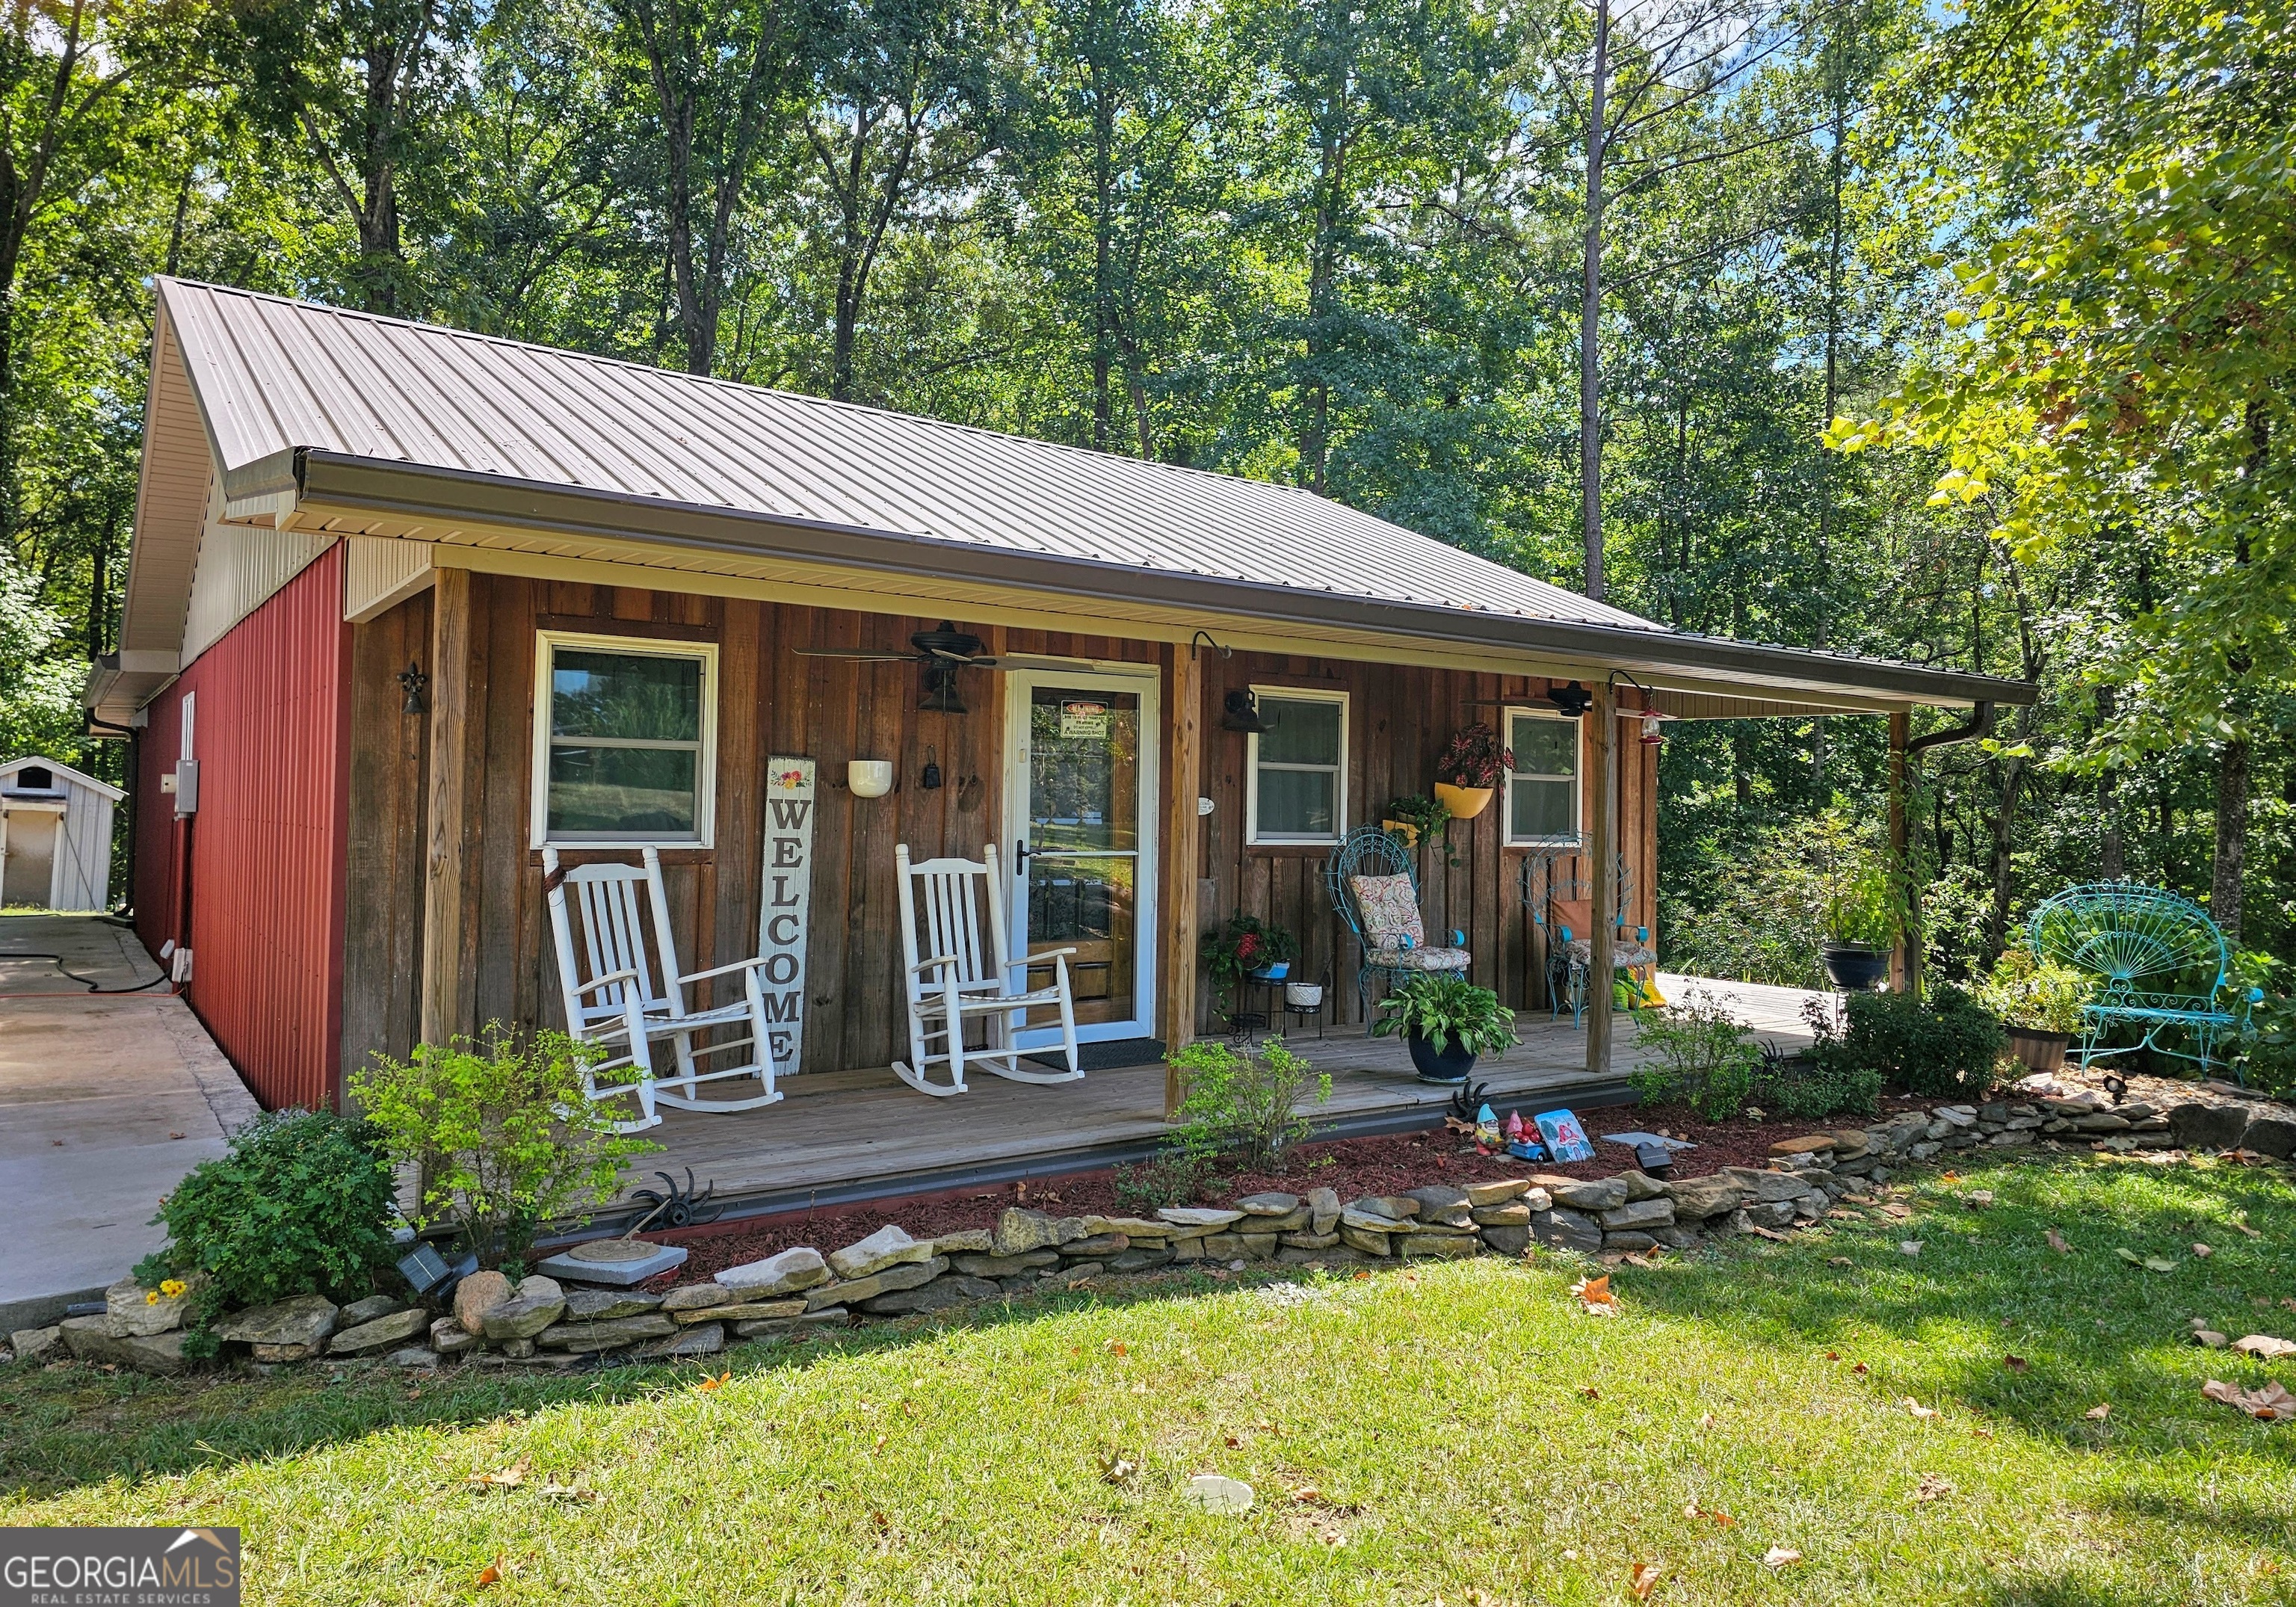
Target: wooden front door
<point>1080,778</point>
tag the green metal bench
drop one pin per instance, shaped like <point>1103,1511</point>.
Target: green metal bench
<point>2159,963</point>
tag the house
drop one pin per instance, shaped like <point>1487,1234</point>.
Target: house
<point>55,835</point>
<point>416,604</point>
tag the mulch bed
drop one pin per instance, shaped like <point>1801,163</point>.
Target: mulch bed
<point>1353,1167</point>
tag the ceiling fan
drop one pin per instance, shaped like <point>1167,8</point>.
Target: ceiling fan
<point>943,651</point>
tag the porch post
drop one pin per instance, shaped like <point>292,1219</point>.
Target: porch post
<point>1603,751</point>
<point>1903,951</point>
<point>450,893</point>
<point>1182,855</point>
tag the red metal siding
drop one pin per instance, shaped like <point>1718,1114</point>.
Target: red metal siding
<point>266,845</point>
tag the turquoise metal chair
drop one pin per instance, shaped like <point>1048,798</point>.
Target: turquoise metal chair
<point>2159,963</point>
<point>1369,851</point>
<point>1548,892</point>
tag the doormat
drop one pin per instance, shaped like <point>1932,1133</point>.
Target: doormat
<point>1108,1056</point>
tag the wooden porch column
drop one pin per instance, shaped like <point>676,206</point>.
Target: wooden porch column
<point>1903,953</point>
<point>450,886</point>
<point>1183,848</point>
<point>1603,829</point>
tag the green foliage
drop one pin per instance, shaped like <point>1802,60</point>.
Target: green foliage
<point>1427,815</point>
<point>1170,1178</point>
<point>1245,944</point>
<point>1821,1081</point>
<point>1474,758</point>
<point>1941,1046</point>
<point>1445,1008</point>
<point>2039,996</point>
<point>1706,1057</point>
<point>1242,1106</point>
<point>500,1132</point>
<point>2266,1052</point>
<point>301,1203</point>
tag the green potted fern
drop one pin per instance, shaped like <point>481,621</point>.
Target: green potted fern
<point>1447,1023</point>
<point>2041,1004</point>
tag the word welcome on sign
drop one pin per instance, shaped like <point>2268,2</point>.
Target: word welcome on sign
<point>783,911</point>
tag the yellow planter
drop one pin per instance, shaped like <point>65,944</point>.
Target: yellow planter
<point>1464,802</point>
<point>1403,829</point>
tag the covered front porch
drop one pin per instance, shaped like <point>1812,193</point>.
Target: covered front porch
<point>842,1137</point>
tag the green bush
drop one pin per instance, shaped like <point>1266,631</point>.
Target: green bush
<point>500,1132</point>
<point>1939,1046</point>
<point>1169,1179</point>
<point>1706,1057</point>
<point>1244,1106</point>
<point>301,1203</point>
<point>1823,1081</point>
<point>2266,1056</point>
<point>2037,994</point>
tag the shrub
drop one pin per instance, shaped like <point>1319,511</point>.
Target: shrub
<point>2039,996</point>
<point>501,1133</point>
<point>1244,1106</point>
<point>1170,1179</point>
<point>1706,1057</point>
<point>1942,1044</point>
<point>1443,1005</point>
<point>2266,1056</point>
<point>301,1203</point>
<point>1821,1081</point>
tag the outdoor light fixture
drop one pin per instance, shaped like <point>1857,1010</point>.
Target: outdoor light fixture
<point>413,678</point>
<point>940,690</point>
<point>1572,701</point>
<point>1241,711</point>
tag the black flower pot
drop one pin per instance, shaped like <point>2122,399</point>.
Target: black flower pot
<point>1853,967</point>
<point>1450,1065</point>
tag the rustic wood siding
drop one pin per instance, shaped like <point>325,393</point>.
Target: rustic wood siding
<point>772,700</point>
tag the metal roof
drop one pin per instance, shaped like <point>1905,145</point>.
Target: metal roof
<point>273,375</point>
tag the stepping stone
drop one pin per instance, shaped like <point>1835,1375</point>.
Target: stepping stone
<point>618,1263</point>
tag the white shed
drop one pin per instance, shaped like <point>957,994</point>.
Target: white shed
<point>55,835</point>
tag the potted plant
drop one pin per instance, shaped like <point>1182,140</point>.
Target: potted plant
<point>1248,946</point>
<point>1412,820</point>
<point>1860,920</point>
<point>1469,770</point>
<point>2040,1003</point>
<point>1447,1022</point>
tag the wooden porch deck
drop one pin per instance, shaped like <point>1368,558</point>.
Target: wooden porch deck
<point>848,1135</point>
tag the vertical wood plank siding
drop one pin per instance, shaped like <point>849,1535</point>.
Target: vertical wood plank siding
<point>773,700</point>
<point>268,871</point>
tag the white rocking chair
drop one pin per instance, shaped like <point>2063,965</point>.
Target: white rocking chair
<point>956,982</point>
<point>616,999</point>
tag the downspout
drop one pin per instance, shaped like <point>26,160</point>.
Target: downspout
<point>1980,726</point>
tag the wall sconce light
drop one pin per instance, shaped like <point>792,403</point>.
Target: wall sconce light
<point>414,680</point>
<point>931,778</point>
<point>1572,701</point>
<point>869,777</point>
<point>1241,711</point>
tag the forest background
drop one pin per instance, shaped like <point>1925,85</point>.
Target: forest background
<point>1958,336</point>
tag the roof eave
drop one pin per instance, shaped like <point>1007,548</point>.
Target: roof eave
<point>431,494</point>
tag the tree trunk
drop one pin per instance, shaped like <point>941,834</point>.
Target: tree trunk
<point>2111,858</point>
<point>2232,839</point>
<point>2005,822</point>
<point>1590,313</point>
<point>1103,142</point>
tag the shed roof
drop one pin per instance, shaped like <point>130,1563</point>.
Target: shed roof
<point>102,788</point>
<point>288,392</point>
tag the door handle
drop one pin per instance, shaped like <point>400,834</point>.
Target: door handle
<point>1021,849</point>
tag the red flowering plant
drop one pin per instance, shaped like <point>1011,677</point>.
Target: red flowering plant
<point>1245,945</point>
<point>1474,758</point>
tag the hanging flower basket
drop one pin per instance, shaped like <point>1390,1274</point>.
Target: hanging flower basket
<point>1464,802</point>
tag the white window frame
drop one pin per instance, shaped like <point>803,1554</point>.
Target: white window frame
<point>705,766</point>
<point>1578,782</point>
<point>1253,835</point>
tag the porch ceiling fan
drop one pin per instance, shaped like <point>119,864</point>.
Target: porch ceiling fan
<point>943,651</point>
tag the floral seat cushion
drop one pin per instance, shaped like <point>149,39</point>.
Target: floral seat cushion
<point>1422,959</point>
<point>1390,909</point>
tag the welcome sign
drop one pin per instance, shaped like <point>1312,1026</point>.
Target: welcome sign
<point>786,905</point>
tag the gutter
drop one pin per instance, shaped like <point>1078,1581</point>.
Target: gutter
<point>435,495</point>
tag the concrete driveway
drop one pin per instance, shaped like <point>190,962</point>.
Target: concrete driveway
<point>106,1101</point>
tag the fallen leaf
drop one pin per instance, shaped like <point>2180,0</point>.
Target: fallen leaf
<point>175,1135</point>
<point>1982,1433</point>
<point>2271,1403</point>
<point>1307,1494</point>
<point>2204,1251</point>
<point>1839,1262</point>
<point>504,1478</point>
<point>1595,1294</point>
<point>492,1573</point>
<point>1706,1420</point>
<point>1771,1234</point>
<point>1722,1519</point>
<point>1781,1556</point>
<point>1644,1579</point>
<point>1978,1199</point>
<point>1910,1247</point>
<point>1857,1367</point>
<point>1952,1177</point>
<point>2240,1224</point>
<point>1915,1408</point>
<point>1117,1348</point>
<point>1590,1392</point>
<point>2057,1243</point>
<point>1933,1489</point>
<point>2099,1413</point>
<point>717,1383</point>
<point>576,1491</point>
<point>2264,1346</point>
<point>2016,1364</point>
<point>1118,1469</point>
<point>1896,1210</point>
<point>2129,1256</point>
<point>1834,1356</point>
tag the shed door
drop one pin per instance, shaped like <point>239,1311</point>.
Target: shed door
<point>29,876</point>
<point>1081,793</point>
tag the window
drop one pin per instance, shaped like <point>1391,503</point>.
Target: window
<point>625,741</point>
<point>1297,769</point>
<point>1542,791</point>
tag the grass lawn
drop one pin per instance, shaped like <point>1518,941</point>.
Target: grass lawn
<point>1458,1432</point>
